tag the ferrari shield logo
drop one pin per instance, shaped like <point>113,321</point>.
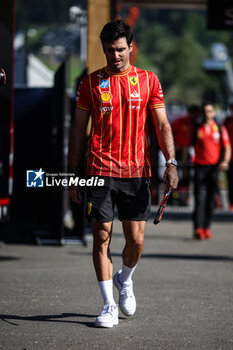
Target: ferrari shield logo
<point>89,208</point>
<point>133,80</point>
<point>215,128</point>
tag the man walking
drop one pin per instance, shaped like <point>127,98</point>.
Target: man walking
<point>210,141</point>
<point>117,97</point>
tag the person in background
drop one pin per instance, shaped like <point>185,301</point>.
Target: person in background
<point>212,152</point>
<point>228,123</point>
<point>182,129</point>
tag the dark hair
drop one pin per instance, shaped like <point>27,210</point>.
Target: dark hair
<point>115,30</point>
<point>205,103</point>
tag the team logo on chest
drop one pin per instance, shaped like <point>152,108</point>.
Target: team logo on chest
<point>105,97</point>
<point>215,128</point>
<point>216,134</point>
<point>134,97</point>
<point>104,84</point>
<point>106,106</point>
<point>133,80</point>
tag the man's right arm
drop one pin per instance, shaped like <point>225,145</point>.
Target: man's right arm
<point>166,143</point>
<point>76,144</point>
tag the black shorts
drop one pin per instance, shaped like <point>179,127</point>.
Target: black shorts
<point>131,197</point>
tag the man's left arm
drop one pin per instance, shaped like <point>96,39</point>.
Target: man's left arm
<point>166,143</point>
<point>224,164</point>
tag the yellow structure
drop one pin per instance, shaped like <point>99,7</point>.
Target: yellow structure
<point>98,14</point>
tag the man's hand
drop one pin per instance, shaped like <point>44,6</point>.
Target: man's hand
<point>75,194</point>
<point>224,165</point>
<point>170,177</point>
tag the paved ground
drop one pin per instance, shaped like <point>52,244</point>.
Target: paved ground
<point>49,297</point>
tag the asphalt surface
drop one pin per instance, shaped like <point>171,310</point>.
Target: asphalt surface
<point>49,296</point>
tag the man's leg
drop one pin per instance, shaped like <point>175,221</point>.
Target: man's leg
<point>211,190</point>
<point>103,266</point>
<point>134,244</point>
<point>102,233</point>
<point>200,192</point>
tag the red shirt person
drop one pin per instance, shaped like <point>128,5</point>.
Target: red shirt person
<point>209,143</point>
<point>117,97</point>
<point>182,129</point>
<point>117,102</point>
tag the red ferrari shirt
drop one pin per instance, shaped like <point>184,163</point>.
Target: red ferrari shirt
<point>229,126</point>
<point>208,143</point>
<point>118,141</point>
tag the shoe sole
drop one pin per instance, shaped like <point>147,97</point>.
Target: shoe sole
<point>131,314</point>
<point>106,324</point>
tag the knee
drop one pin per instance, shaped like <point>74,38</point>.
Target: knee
<point>139,244</point>
<point>136,243</point>
<point>134,235</point>
<point>102,236</point>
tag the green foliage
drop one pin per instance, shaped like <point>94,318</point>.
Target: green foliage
<point>34,42</point>
<point>173,44</point>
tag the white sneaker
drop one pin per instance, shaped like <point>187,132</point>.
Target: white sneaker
<point>127,301</point>
<point>108,317</point>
